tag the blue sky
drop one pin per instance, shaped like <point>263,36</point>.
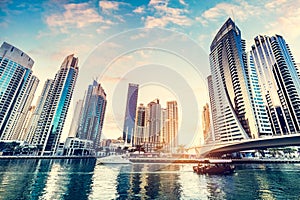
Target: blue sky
<point>50,30</point>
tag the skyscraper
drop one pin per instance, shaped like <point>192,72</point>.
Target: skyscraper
<point>92,117</point>
<point>154,121</point>
<point>164,127</point>
<point>213,110</point>
<point>130,113</point>
<point>172,124</point>
<point>17,86</point>
<point>140,124</point>
<point>235,109</point>
<point>279,77</point>
<point>76,118</point>
<point>54,113</point>
<point>37,113</point>
<point>206,124</point>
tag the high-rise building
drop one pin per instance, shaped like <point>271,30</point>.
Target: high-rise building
<point>236,112</point>
<point>172,124</point>
<point>37,112</point>
<point>92,117</point>
<point>28,98</point>
<point>130,113</point>
<point>164,127</point>
<point>140,124</point>
<point>206,124</point>
<point>54,112</point>
<point>154,121</point>
<point>76,119</point>
<point>279,78</point>
<point>26,125</point>
<point>213,112</point>
<point>17,86</point>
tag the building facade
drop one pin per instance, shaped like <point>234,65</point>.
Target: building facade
<point>279,78</point>
<point>154,122</point>
<point>55,108</point>
<point>92,114</point>
<point>172,125</point>
<point>213,111</point>
<point>206,123</point>
<point>140,126</point>
<point>130,113</point>
<point>235,114</point>
<point>76,118</point>
<point>37,112</point>
<point>17,86</point>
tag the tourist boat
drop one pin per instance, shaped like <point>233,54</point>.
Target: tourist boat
<point>114,159</point>
<point>214,167</point>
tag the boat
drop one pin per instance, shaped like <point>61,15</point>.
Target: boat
<point>214,168</point>
<point>114,159</point>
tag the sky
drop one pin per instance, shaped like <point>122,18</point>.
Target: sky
<point>161,45</point>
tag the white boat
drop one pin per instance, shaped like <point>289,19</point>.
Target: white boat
<point>114,159</point>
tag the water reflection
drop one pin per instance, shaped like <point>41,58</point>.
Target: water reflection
<point>83,179</point>
<point>46,179</point>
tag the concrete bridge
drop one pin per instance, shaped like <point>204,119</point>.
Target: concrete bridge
<point>218,149</point>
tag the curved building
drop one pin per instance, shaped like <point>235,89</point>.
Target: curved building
<point>239,111</point>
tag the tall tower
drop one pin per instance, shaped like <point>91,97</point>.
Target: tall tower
<point>37,112</point>
<point>172,124</point>
<point>92,117</point>
<point>154,121</point>
<point>130,113</point>
<point>164,127</point>
<point>279,77</point>
<point>54,112</point>
<point>17,86</point>
<point>213,112</point>
<point>76,118</point>
<point>231,75</point>
<point>206,124</point>
<point>140,123</point>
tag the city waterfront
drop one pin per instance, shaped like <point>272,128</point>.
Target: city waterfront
<point>84,179</point>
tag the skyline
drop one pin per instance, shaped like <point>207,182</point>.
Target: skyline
<point>54,30</point>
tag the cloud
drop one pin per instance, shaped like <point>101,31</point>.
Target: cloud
<point>240,9</point>
<point>75,15</point>
<point>139,10</point>
<point>109,5</point>
<point>286,16</point>
<point>182,2</point>
<point>166,15</point>
<point>101,29</point>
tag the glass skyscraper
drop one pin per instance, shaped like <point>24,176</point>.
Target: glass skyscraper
<point>279,78</point>
<point>17,86</point>
<point>236,105</point>
<point>130,113</point>
<point>54,112</point>
<point>93,112</point>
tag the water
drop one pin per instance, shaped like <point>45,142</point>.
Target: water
<point>83,179</point>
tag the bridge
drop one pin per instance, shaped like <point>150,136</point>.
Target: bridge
<point>218,149</point>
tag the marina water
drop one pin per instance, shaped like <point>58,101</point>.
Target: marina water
<point>84,179</point>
